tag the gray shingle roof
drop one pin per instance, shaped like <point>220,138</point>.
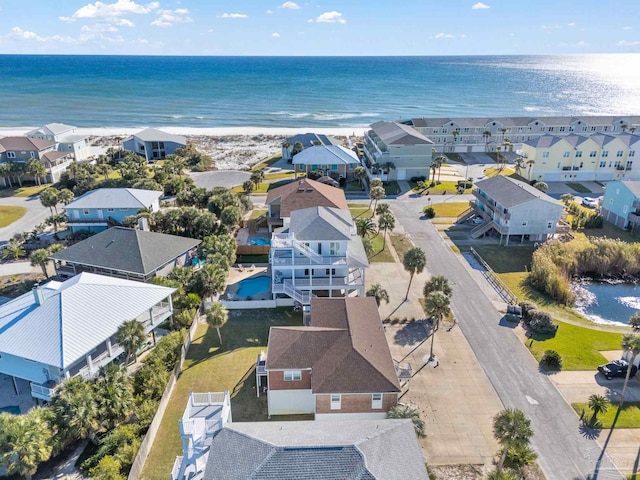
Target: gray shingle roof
<point>321,223</point>
<point>509,192</point>
<point>26,144</point>
<point>307,139</point>
<point>394,133</point>
<point>155,135</point>
<point>633,186</point>
<point>116,198</point>
<point>127,250</point>
<point>320,450</point>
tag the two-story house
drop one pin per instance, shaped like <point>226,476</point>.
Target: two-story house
<point>99,209</point>
<point>154,144</point>
<point>319,253</point>
<point>332,160</point>
<point>403,146</point>
<point>511,207</point>
<point>68,140</point>
<point>126,253</point>
<point>305,140</point>
<point>304,193</point>
<point>19,150</point>
<point>62,330</point>
<point>621,204</point>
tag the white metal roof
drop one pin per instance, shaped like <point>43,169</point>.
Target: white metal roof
<point>116,198</point>
<point>326,155</point>
<point>74,317</point>
<point>155,135</point>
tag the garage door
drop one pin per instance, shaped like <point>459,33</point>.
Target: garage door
<point>290,402</point>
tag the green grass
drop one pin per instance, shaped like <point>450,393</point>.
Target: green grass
<point>401,243</point>
<point>391,188</point>
<point>208,368</point>
<point>264,187</point>
<point>257,212</point>
<point>379,254</point>
<point>455,157</point>
<point>354,187</point>
<point>266,163</point>
<point>493,171</point>
<point>580,347</point>
<point>29,191</point>
<point>578,187</point>
<point>279,175</point>
<point>629,414</point>
<point>358,210</point>
<point>9,214</point>
<point>452,209</point>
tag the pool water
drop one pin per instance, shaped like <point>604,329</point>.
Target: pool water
<point>254,286</point>
<point>259,241</point>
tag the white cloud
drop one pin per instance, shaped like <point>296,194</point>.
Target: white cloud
<point>331,17</point>
<point>269,12</point>
<point>210,30</point>
<point>275,35</point>
<point>627,43</point>
<point>549,27</point>
<point>571,24</point>
<point>168,17</point>
<point>627,28</point>
<point>233,15</point>
<point>479,6</point>
<point>19,33</point>
<point>99,27</point>
<point>443,35</point>
<point>123,22</point>
<point>111,10</point>
<point>290,6</point>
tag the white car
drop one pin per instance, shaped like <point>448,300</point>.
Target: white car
<point>590,202</point>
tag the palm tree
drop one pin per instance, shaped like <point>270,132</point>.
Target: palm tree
<point>35,168</point>
<point>486,135</point>
<point>104,169</point>
<point>13,249</point>
<point>378,293</point>
<point>257,177</point>
<point>597,404</point>
<point>27,442</point>
<point>49,198</point>
<point>634,321</point>
<point>210,280</point>
<point>436,306</point>
<point>386,221</point>
<point>5,173</point>
<point>55,220</point>
<point>631,345</point>
<point>217,315</point>
<point>65,196</point>
<point>297,148</point>
<point>76,409</point>
<point>40,257</point>
<point>365,227</point>
<point>512,429</point>
<point>382,208</point>
<point>376,193</point>
<point>436,164</point>
<point>437,283</point>
<point>414,262</point>
<point>115,402</point>
<point>530,164</point>
<point>367,244</point>
<point>566,198</point>
<point>519,163</point>
<point>407,411</point>
<point>131,336</point>
<point>248,186</point>
<point>542,186</point>
<point>360,173</point>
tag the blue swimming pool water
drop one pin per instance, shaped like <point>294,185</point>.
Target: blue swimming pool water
<point>254,286</point>
<point>259,241</point>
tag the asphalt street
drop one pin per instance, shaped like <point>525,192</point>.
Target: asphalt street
<point>565,452</point>
<point>36,214</point>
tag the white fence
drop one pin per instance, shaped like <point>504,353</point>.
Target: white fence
<point>254,304</point>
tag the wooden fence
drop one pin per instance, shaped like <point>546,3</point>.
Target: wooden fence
<point>252,250</point>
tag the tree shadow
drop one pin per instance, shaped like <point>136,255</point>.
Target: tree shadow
<point>504,322</point>
<point>411,334</point>
<point>396,309</point>
<point>601,457</point>
<point>590,431</point>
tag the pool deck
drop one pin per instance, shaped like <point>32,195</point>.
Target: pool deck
<point>244,236</point>
<point>236,275</point>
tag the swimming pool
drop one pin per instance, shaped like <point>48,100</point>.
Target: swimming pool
<point>254,286</point>
<point>259,241</point>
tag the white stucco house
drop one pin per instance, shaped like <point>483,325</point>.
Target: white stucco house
<point>154,144</point>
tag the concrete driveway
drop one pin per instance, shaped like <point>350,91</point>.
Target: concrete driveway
<point>578,386</point>
<point>36,213</point>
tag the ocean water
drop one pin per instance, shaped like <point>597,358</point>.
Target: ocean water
<point>91,91</point>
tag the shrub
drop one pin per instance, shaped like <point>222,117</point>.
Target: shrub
<point>167,350</point>
<point>108,468</point>
<point>314,174</point>
<point>464,184</point>
<point>429,212</point>
<point>119,438</point>
<point>551,360</point>
<point>520,456</point>
<point>151,379</point>
<point>144,411</point>
<point>526,308</point>
<point>541,322</point>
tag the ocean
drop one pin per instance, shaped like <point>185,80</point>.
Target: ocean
<point>131,91</point>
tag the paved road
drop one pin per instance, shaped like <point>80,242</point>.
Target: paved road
<point>36,214</point>
<point>564,453</point>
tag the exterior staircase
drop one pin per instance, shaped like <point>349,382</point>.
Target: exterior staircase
<point>307,252</point>
<point>482,229</point>
<point>466,215</point>
<point>299,296</point>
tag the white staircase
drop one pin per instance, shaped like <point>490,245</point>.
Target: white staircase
<point>298,295</point>
<point>482,229</point>
<point>466,215</point>
<point>307,252</point>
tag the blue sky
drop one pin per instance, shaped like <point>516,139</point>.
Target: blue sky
<point>326,27</point>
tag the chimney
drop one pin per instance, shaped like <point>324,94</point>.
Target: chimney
<point>38,296</point>
<point>306,315</point>
<point>143,224</point>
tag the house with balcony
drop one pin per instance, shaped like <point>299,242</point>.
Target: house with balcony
<point>19,150</point>
<point>513,208</point>
<point>337,367</point>
<point>320,253</point>
<point>395,151</point>
<point>306,140</point>
<point>334,161</point>
<point>573,157</point>
<point>304,193</point>
<point>621,204</point>
<point>102,208</point>
<point>65,329</point>
<point>154,144</point>
<point>306,450</point>
<point>126,253</point>
<point>68,140</point>
<point>204,417</point>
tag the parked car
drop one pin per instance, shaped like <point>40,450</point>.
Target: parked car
<point>590,202</point>
<point>617,368</point>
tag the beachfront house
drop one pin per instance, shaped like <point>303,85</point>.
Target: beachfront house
<point>305,140</point>
<point>102,208</point>
<point>154,144</point>
<point>337,367</point>
<point>19,150</point>
<point>126,253</point>
<point>573,157</point>
<point>334,161</point>
<point>203,418</point>
<point>514,208</point>
<point>472,134</point>
<point>394,151</point>
<point>63,330</point>
<point>304,193</point>
<point>621,204</point>
<point>319,253</point>
<point>66,137</point>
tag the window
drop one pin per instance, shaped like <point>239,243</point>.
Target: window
<point>292,376</point>
<point>593,153</point>
<point>632,153</point>
<point>444,130</point>
<point>306,271</point>
<point>545,154</point>
<point>330,270</point>
<point>85,212</point>
<point>584,129</point>
<point>605,153</point>
<point>581,164</point>
<point>525,223</point>
<point>336,401</point>
<point>11,154</point>
<point>578,153</point>
<point>566,154</point>
<point>33,154</point>
<point>334,248</point>
<point>593,129</point>
<point>465,130</point>
<point>617,164</point>
<point>625,208</point>
<point>629,164</point>
<point>604,129</point>
<point>562,129</point>
<point>376,401</point>
<point>334,167</point>
<point>549,224</point>
<point>619,153</point>
<point>351,166</point>
<point>551,129</point>
<point>111,209</point>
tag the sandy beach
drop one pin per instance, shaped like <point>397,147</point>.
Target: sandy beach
<point>232,148</point>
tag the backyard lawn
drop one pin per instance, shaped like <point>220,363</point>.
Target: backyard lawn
<point>9,214</point>
<point>264,187</point>
<point>208,368</point>
<point>29,191</point>
<point>452,209</point>
<point>629,414</point>
<point>257,213</point>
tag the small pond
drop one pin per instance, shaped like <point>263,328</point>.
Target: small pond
<point>607,303</point>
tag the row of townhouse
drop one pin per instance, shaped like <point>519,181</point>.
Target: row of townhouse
<point>599,157</point>
<point>463,135</point>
